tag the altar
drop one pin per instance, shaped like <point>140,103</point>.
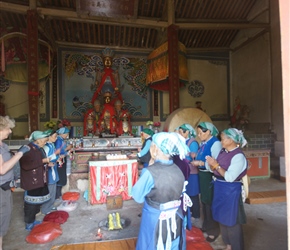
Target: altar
<point>110,178</point>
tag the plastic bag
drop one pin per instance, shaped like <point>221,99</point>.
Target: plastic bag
<point>71,196</point>
<point>195,234</point>
<point>57,217</point>
<point>45,232</point>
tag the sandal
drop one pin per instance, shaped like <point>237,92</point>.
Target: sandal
<point>209,239</point>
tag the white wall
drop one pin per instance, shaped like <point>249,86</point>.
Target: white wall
<point>251,78</point>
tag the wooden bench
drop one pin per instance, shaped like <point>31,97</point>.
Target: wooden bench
<point>266,197</point>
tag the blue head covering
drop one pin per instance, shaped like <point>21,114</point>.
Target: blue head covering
<point>63,130</point>
<point>38,135</point>
<point>188,127</point>
<point>170,143</point>
<point>236,135</point>
<point>207,125</point>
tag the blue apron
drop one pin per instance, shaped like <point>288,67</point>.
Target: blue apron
<point>225,205</point>
<point>147,236</point>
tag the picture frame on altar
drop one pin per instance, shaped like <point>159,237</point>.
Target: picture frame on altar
<point>77,74</point>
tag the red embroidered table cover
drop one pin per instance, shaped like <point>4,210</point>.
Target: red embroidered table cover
<point>112,178</point>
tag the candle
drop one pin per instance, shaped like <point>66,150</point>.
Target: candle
<point>99,235</point>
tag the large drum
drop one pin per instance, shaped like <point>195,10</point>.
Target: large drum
<point>192,116</point>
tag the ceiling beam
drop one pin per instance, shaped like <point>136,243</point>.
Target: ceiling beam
<point>73,16</point>
<point>119,48</point>
<point>16,8</point>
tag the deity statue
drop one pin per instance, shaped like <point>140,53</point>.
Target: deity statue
<point>123,118</point>
<point>240,117</point>
<point>107,77</point>
<point>91,119</point>
<point>237,112</point>
<point>108,115</point>
<point>107,123</point>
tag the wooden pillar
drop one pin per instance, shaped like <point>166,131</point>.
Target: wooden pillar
<point>54,87</point>
<point>173,78</point>
<point>285,56</point>
<point>32,70</point>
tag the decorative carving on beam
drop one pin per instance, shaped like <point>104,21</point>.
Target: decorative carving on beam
<point>108,8</point>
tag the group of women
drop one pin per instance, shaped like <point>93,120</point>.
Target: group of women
<point>216,167</point>
<point>179,172</point>
<point>42,170</point>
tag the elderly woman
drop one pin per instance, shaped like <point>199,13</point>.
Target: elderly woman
<point>63,147</point>
<point>34,178</point>
<point>144,155</point>
<point>160,188</point>
<point>210,146</point>
<point>229,167</point>
<point>53,177</point>
<point>7,162</point>
<point>192,189</point>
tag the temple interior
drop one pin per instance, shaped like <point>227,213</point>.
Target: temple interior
<point>109,69</point>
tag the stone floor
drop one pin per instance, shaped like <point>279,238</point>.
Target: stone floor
<point>266,228</point>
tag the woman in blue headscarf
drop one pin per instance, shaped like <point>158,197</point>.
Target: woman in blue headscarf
<point>53,177</point>
<point>210,146</point>
<point>229,167</point>
<point>61,144</point>
<point>192,189</point>
<point>160,188</point>
<point>34,178</point>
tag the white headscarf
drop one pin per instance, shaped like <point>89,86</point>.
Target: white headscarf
<point>171,143</point>
<point>236,135</point>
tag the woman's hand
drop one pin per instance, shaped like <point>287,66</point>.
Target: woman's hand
<point>211,162</point>
<point>57,152</point>
<point>192,155</point>
<point>197,163</point>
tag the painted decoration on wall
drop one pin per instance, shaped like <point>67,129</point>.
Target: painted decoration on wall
<point>195,88</point>
<point>78,75</point>
<point>13,51</point>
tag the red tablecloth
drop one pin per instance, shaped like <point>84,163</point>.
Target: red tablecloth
<point>112,178</point>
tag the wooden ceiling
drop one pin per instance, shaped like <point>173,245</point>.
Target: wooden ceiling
<point>203,25</point>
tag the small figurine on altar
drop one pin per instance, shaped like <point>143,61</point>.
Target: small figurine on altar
<point>107,122</point>
<point>198,105</point>
<point>123,118</point>
<point>240,117</point>
<point>91,119</point>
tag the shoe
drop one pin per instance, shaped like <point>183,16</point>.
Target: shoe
<point>30,226</point>
<point>211,239</point>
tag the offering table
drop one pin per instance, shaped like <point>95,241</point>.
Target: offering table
<point>110,178</point>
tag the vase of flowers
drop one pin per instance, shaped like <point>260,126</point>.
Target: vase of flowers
<point>156,126</point>
<point>50,125</point>
<point>149,124</point>
<point>63,123</point>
